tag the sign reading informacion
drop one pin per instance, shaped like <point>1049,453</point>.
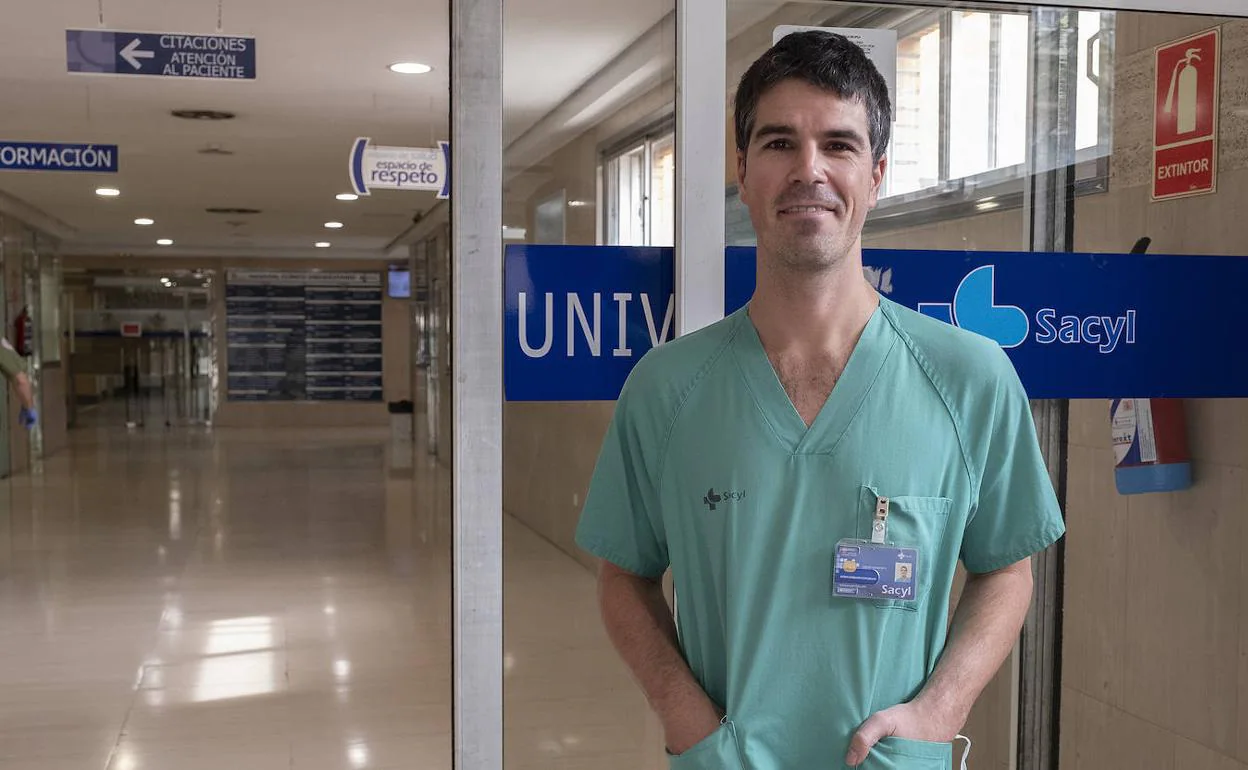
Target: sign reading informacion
<point>42,156</point>
<point>158,54</point>
<point>303,336</point>
<point>880,45</point>
<point>400,168</point>
<point>577,319</point>
<point>1185,116</point>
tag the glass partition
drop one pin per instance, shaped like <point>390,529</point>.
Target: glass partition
<point>588,160</point>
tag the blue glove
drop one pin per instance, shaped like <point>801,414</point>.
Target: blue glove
<point>28,418</point>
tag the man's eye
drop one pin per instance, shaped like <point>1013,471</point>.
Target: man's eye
<point>777,144</point>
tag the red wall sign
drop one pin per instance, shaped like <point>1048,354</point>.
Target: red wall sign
<point>131,329</point>
<point>1185,117</point>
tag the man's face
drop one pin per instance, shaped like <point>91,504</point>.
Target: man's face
<point>807,176</point>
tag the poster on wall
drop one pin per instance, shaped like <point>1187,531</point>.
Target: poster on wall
<point>303,336</point>
<point>1185,116</point>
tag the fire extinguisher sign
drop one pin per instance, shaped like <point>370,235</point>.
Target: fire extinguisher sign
<point>1185,116</point>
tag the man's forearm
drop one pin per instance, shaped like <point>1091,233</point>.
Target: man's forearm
<point>25,392</point>
<point>985,628</point>
<point>639,623</point>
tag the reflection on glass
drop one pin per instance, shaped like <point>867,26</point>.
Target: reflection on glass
<point>977,86</point>
<point>640,191</point>
<point>1088,94</point>
<point>626,181</point>
<point>915,158</point>
<point>663,192</point>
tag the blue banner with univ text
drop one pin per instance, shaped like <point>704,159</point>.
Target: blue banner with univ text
<point>577,318</point>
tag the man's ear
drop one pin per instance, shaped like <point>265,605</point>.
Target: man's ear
<point>741,173</point>
<point>877,180</point>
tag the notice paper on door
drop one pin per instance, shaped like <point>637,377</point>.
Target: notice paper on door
<point>880,45</point>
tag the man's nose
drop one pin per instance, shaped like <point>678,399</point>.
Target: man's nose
<point>808,166</point>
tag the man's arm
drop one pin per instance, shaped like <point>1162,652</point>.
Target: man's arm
<point>21,383</point>
<point>639,621</point>
<point>985,628</point>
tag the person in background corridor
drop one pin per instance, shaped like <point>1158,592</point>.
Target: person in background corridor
<point>812,469</point>
<point>14,370</point>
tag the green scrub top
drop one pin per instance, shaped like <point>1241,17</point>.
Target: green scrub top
<point>11,364</point>
<point>708,468</point>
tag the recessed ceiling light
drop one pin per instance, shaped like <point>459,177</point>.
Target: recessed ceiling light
<point>347,197</point>
<point>322,244</point>
<point>579,204</point>
<point>164,242</point>
<point>144,222</point>
<point>334,225</point>
<point>410,68</point>
<point>108,192</point>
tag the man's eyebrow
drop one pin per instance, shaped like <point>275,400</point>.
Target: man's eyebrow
<point>774,129</point>
<point>781,129</point>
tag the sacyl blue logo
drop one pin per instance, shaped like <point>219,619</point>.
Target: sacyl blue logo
<point>975,309</point>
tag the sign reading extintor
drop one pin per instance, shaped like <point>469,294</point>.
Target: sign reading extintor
<point>1185,118</point>
<point>401,168</point>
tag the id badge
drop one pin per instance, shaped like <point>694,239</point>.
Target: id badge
<point>867,570</point>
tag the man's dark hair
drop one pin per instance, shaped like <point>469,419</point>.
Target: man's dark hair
<point>825,60</point>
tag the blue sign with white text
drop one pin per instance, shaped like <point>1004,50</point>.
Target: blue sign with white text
<point>44,156</point>
<point>1074,325</point>
<point>110,52</point>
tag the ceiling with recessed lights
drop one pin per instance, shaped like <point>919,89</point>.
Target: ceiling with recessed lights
<point>259,168</point>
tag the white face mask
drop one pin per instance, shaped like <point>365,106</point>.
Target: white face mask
<point>966,753</point>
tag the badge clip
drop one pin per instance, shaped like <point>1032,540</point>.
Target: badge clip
<point>879,527</point>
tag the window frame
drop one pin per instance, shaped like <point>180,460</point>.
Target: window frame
<point>645,139</point>
<point>1001,188</point>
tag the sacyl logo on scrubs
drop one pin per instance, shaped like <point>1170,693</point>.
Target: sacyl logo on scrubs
<point>713,500</point>
<point>975,309</point>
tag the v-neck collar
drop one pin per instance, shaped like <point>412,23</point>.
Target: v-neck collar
<point>834,418</point>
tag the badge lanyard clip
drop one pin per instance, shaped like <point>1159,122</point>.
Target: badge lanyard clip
<point>879,527</point>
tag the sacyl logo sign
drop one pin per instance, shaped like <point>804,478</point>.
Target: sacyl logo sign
<point>713,500</point>
<point>975,309</point>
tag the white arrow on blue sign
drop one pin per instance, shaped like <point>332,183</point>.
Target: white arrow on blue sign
<point>160,54</point>
<point>400,168</point>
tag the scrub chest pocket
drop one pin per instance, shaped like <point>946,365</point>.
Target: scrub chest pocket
<point>913,523</point>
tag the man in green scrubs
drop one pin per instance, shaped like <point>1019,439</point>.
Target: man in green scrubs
<point>821,420</point>
<point>14,370</point>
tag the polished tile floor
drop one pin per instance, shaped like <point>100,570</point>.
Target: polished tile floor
<point>191,599</point>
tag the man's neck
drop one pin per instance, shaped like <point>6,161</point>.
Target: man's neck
<point>811,314</point>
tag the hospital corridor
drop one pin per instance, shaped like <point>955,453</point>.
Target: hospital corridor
<point>660,385</point>
<point>195,600</point>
